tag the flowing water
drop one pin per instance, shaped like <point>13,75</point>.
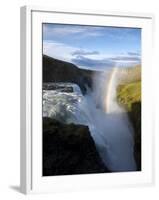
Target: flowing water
<point>99,110</point>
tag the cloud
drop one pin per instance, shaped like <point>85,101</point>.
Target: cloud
<point>65,42</point>
<point>80,57</point>
<point>134,54</point>
<point>106,61</point>
<point>85,58</point>
<point>50,31</point>
<point>58,50</point>
<point>83,52</point>
<point>126,58</point>
<point>62,30</point>
<point>93,63</point>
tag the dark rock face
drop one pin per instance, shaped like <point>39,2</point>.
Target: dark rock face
<point>135,117</point>
<point>59,71</point>
<point>69,149</point>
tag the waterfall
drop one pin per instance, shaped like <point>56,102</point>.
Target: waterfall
<point>115,129</point>
<point>111,105</point>
<point>99,110</point>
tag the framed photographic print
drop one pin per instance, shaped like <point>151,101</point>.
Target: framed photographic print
<point>86,103</point>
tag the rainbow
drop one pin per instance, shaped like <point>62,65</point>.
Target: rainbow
<point>111,90</point>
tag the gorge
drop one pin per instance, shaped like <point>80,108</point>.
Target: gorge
<point>85,100</point>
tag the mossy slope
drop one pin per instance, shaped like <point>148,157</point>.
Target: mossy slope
<point>129,96</point>
<point>130,93</point>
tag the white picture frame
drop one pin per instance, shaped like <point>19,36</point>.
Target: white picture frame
<point>31,78</point>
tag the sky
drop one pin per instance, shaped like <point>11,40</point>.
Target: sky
<point>93,47</point>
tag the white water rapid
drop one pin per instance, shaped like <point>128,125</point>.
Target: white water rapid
<point>99,110</point>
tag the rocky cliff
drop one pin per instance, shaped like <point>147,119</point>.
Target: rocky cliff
<point>69,149</point>
<point>135,117</point>
<point>55,70</point>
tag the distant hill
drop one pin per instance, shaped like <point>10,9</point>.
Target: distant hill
<point>55,70</point>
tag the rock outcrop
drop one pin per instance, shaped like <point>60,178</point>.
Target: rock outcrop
<point>135,117</point>
<point>69,149</point>
<point>55,70</point>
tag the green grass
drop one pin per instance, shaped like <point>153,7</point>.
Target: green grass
<point>129,93</point>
